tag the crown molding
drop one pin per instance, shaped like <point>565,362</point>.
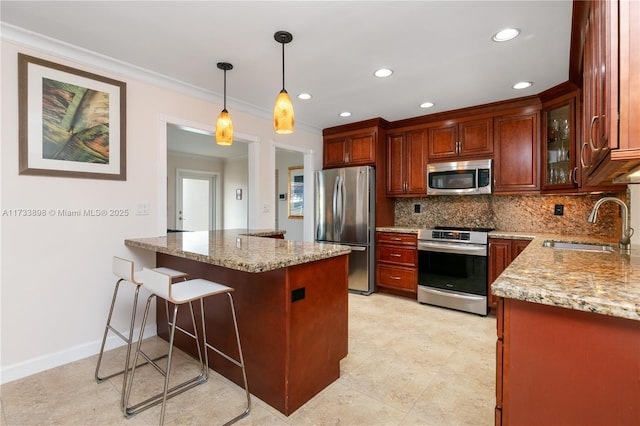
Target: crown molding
<point>76,54</point>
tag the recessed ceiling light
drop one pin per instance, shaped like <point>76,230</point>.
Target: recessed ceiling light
<point>304,96</point>
<point>506,34</point>
<point>383,72</point>
<point>522,85</point>
<point>345,114</point>
<point>426,105</point>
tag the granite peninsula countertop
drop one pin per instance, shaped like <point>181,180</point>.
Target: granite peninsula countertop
<point>241,250</point>
<point>600,282</point>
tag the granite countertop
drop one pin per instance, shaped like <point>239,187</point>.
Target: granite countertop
<point>241,250</point>
<point>599,282</point>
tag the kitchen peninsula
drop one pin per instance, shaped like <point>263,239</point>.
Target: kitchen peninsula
<point>568,348</point>
<point>292,321</point>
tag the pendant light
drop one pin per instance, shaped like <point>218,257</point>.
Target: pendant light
<point>224,126</point>
<point>283,120</point>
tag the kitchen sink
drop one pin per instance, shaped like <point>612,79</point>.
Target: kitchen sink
<point>601,248</point>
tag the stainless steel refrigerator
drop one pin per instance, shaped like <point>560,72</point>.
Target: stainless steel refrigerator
<point>345,214</point>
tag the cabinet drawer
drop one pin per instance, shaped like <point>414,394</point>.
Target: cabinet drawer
<point>397,255</point>
<point>397,277</point>
<point>402,239</point>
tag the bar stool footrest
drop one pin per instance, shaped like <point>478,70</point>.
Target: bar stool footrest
<point>157,398</point>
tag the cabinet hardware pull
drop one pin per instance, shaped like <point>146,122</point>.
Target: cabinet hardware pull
<point>591,145</point>
<point>396,239</point>
<point>574,171</point>
<point>394,277</point>
<point>582,163</point>
<point>395,255</point>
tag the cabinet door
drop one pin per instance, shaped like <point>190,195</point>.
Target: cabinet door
<point>517,150</point>
<point>558,166</point>
<point>395,164</point>
<point>335,152</point>
<point>443,141</point>
<point>499,259</point>
<point>476,138</point>
<point>362,150</point>
<point>416,157</point>
<point>517,246</point>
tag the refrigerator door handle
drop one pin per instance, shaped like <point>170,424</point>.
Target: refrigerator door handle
<point>342,206</point>
<point>336,218</point>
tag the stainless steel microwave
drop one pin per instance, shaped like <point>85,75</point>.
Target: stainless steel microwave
<point>459,178</point>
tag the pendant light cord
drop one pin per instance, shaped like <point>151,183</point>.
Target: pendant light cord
<point>282,66</point>
<point>225,89</point>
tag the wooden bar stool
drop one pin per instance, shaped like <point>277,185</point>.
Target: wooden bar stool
<point>124,270</point>
<point>179,294</point>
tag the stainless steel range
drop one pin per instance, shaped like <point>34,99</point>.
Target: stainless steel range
<point>452,268</point>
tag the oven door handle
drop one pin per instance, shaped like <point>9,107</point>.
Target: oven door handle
<point>472,249</point>
<point>454,295</point>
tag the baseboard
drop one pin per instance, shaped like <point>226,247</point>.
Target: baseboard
<point>42,363</point>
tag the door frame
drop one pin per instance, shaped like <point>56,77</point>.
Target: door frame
<point>161,156</point>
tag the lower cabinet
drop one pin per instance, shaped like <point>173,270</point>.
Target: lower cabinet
<point>397,263</point>
<point>501,253</point>
<point>558,366</point>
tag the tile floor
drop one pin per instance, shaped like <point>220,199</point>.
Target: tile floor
<point>408,364</point>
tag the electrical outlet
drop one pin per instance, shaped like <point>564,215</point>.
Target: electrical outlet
<point>416,208</point>
<point>558,209</point>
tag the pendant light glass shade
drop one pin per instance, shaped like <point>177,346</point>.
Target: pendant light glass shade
<point>224,126</point>
<point>283,119</point>
<point>224,129</point>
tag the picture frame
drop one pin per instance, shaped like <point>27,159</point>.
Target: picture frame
<point>296,192</point>
<point>72,123</point>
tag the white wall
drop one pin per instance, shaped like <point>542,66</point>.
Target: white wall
<point>56,279</point>
<point>235,177</point>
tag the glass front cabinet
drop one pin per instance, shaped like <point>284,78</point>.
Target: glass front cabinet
<point>559,166</point>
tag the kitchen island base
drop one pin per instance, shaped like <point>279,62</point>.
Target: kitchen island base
<point>561,366</point>
<point>292,322</point>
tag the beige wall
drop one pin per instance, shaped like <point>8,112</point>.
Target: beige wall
<point>56,280</point>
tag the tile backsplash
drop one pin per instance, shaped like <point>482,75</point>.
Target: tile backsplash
<point>524,213</point>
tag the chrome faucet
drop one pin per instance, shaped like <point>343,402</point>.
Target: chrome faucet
<point>627,231</point>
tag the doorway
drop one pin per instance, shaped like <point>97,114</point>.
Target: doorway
<point>196,194</point>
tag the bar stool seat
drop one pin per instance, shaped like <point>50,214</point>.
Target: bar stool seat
<point>124,270</point>
<point>159,284</point>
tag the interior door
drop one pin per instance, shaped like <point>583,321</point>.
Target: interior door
<point>195,201</point>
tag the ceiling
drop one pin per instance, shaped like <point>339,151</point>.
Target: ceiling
<point>440,51</point>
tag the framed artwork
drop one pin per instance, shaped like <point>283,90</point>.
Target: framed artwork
<point>72,123</point>
<point>296,192</point>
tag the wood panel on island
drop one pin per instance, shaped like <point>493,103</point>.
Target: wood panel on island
<point>397,264</point>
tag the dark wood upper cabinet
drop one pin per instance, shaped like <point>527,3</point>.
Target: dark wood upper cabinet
<point>606,50</point>
<point>407,163</point>
<point>517,153</point>
<point>460,139</point>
